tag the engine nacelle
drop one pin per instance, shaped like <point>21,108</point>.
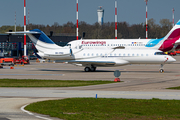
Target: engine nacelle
<point>121,62</point>
<point>59,54</point>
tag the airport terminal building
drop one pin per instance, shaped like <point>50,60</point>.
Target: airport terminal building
<point>13,45</point>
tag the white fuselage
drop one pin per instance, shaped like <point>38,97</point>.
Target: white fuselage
<point>112,43</point>
<point>116,56</point>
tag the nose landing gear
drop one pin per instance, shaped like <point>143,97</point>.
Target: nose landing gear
<point>161,70</point>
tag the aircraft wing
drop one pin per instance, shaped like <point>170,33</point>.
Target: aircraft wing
<point>24,32</point>
<point>99,62</point>
<point>92,62</point>
<point>119,47</point>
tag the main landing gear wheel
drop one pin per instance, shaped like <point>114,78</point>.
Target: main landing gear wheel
<point>87,69</point>
<point>161,71</point>
<point>93,69</point>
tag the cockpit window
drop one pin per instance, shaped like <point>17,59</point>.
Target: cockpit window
<point>68,44</point>
<point>159,53</point>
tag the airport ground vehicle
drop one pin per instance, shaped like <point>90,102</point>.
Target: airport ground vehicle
<point>172,53</point>
<point>7,61</point>
<point>177,52</point>
<point>22,60</point>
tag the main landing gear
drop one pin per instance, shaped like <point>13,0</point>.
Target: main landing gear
<point>90,69</point>
<point>161,70</point>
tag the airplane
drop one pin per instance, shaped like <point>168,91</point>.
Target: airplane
<point>170,42</point>
<point>93,58</point>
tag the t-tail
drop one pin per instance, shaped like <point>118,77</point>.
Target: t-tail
<point>41,41</point>
<point>169,42</point>
<point>46,47</point>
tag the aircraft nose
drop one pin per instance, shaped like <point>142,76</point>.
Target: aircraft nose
<point>170,59</point>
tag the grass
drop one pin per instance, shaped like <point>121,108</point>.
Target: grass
<point>108,109</point>
<point>176,88</point>
<point>48,83</point>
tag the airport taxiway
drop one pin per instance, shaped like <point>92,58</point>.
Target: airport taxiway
<point>139,81</point>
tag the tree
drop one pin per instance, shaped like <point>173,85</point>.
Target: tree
<point>165,25</point>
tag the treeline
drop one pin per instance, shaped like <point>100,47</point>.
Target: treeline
<point>106,31</point>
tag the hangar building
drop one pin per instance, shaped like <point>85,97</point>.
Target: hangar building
<point>13,45</point>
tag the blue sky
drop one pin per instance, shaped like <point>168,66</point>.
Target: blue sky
<point>49,11</point>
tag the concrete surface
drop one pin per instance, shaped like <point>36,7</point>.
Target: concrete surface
<point>139,81</point>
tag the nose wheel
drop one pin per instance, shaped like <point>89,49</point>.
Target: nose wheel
<point>161,69</point>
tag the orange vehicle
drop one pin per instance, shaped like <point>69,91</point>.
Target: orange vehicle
<point>172,53</point>
<point>22,60</point>
<point>7,61</point>
<point>178,52</point>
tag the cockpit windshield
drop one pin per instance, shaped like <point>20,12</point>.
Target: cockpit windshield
<point>68,44</point>
<point>159,53</point>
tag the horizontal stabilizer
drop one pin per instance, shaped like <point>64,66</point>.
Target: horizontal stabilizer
<point>25,32</point>
<point>177,42</point>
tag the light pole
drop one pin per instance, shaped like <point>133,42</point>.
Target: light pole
<point>24,27</point>
<point>146,21</point>
<point>115,19</point>
<point>77,30</point>
<point>173,17</point>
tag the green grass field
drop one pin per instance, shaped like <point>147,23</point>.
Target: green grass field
<point>176,88</point>
<point>108,109</point>
<point>48,83</point>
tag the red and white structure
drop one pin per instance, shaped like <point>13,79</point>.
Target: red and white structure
<point>146,21</point>
<point>24,27</point>
<point>77,29</point>
<point>173,17</point>
<point>115,19</point>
